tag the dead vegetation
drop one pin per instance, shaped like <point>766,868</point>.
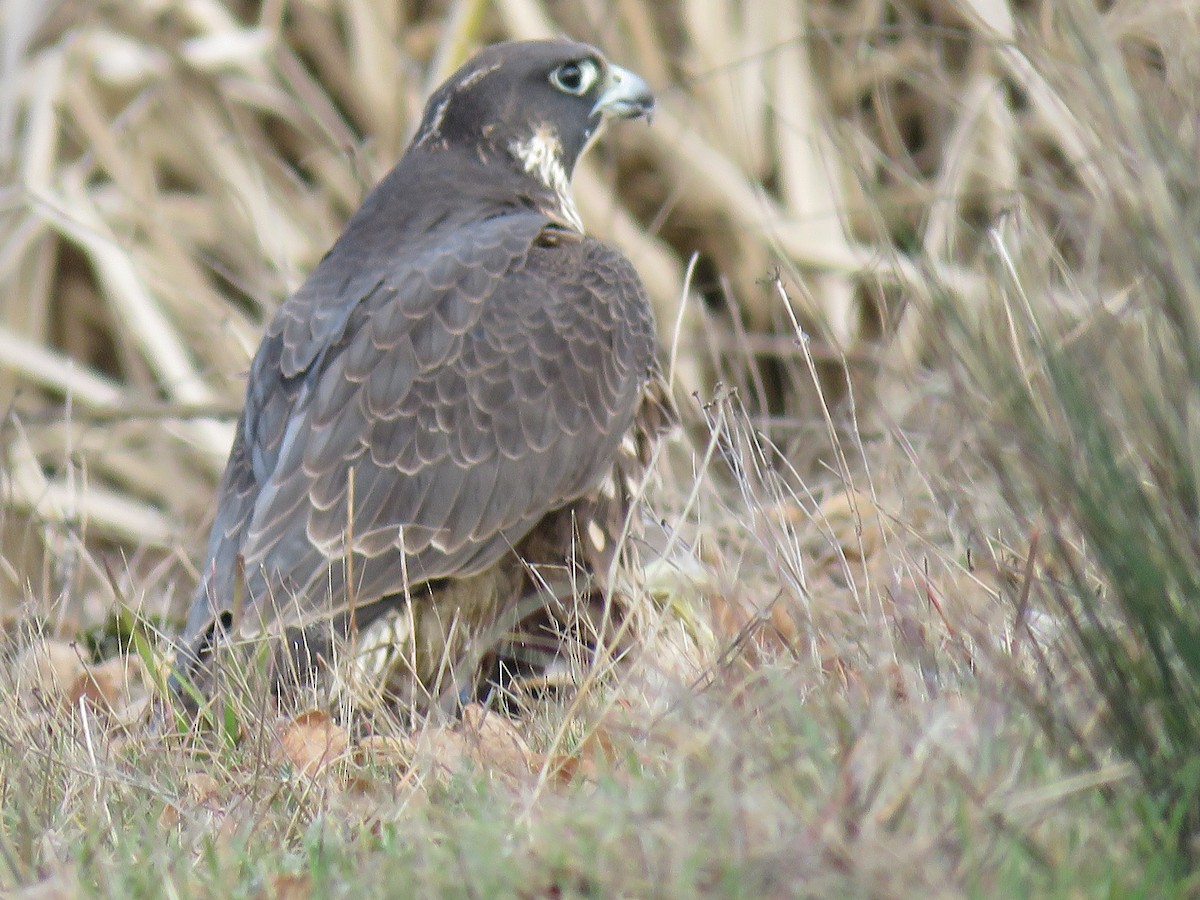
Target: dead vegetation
<point>856,221</point>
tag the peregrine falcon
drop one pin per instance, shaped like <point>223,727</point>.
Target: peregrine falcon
<point>446,422</point>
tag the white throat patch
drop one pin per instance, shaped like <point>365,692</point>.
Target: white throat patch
<point>541,156</point>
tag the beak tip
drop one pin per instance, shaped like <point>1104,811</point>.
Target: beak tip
<point>626,96</point>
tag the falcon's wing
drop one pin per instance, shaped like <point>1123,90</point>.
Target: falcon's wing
<point>465,392</point>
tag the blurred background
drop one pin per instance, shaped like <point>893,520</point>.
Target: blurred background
<point>815,173</point>
<point>838,209</point>
<point>927,277</point>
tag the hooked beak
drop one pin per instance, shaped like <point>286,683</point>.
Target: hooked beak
<point>626,96</point>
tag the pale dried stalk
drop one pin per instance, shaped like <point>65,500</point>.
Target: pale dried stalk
<point>117,457</point>
<point>156,337</point>
<point>28,306</point>
<point>376,66</point>
<point>733,93</point>
<point>278,232</point>
<point>994,20</point>
<point>33,362</point>
<point>21,20</point>
<point>96,509</point>
<point>463,25</point>
<point>651,56</point>
<point>809,176</point>
<point>973,145</point>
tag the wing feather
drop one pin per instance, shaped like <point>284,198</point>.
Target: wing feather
<point>469,384</point>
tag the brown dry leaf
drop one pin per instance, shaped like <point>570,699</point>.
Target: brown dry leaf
<point>787,627</point>
<point>774,628</point>
<point>170,817</point>
<point>311,741</point>
<point>202,788</point>
<point>481,739</point>
<point>598,751</point>
<point>100,694</point>
<point>495,744</point>
<point>199,801</point>
<point>136,711</point>
<point>359,785</point>
<point>385,750</point>
<point>728,616</point>
<point>446,748</point>
<point>569,768</point>
<point>294,886</point>
<point>109,686</point>
<point>784,512</point>
<point>49,671</point>
<point>854,522</point>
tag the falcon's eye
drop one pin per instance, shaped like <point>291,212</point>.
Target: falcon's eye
<point>575,77</point>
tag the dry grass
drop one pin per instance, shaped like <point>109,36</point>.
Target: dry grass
<point>839,208</point>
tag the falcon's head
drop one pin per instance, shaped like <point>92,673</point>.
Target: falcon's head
<point>538,104</point>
